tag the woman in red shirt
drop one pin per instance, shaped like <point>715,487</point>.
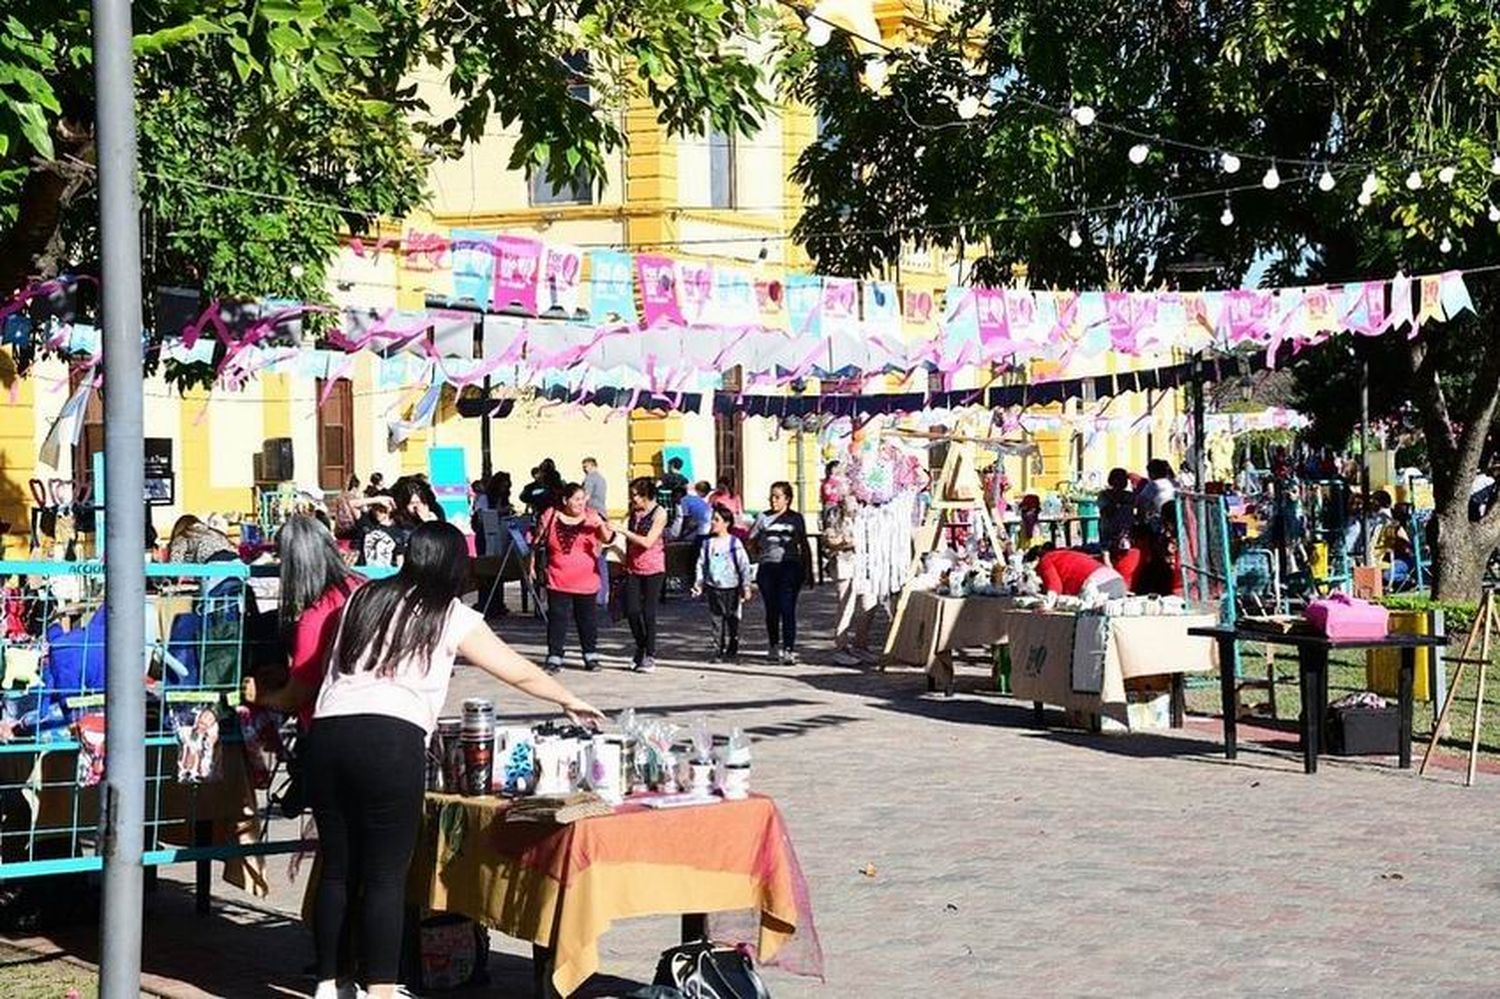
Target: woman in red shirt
<point>315,585</point>
<point>571,538</point>
<point>1072,573</point>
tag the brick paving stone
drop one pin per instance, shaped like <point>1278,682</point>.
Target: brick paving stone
<point>1074,864</point>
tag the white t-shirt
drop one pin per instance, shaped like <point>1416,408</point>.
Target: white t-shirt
<point>410,694</point>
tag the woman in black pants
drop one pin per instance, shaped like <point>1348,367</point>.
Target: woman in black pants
<point>645,569</point>
<point>365,756</point>
<point>570,541</point>
<point>785,558</point>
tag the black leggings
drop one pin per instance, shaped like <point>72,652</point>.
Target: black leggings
<point>779,583</point>
<point>365,778</point>
<point>580,606</point>
<point>642,594</point>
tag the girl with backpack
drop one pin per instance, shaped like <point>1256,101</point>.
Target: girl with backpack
<point>724,576</point>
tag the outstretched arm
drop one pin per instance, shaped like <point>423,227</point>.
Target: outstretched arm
<point>484,649</point>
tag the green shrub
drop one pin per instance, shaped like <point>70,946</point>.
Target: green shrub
<point>1458,616</point>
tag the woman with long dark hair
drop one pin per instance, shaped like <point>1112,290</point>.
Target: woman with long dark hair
<point>645,569</point>
<point>570,542</point>
<point>315,585</point>
<point>365,758</point>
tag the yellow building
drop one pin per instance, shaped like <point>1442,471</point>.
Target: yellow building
<point>724,197</point>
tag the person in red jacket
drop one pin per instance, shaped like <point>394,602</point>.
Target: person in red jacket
<point>1075,574</point>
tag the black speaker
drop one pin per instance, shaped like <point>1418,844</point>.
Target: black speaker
<point>276,460</point>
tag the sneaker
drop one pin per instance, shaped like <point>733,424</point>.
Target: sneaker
<point>788,657</point>
<point>774,654</point>
<point>847,657</point>
<point>646,665</point>
<point>591,663</point>
<point>554,664</point>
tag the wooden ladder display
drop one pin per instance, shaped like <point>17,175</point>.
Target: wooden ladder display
<point>1486,622</point>
<point>958,489</point>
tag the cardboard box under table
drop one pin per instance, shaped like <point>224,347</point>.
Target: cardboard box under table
<point>935,627</point>
<point>562,886</point>
<point>1119,673</point>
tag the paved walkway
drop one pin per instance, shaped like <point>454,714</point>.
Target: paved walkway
<point>1007,860</point>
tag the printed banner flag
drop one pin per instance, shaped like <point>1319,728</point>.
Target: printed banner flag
<point>611,286</point>
<point>695,291</point>
<point>840,306</point>
<point>518,272</point>
<point>473,266</point>
<point>658,277</point>
<point>804,304</point>
<point>563,276</point>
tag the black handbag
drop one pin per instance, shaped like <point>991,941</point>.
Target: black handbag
<point>705,970</point>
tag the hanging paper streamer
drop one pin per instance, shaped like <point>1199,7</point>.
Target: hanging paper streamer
<point>658,278</point>
<point>611,287</point>
<point>564,275</point>
<point>453,333</point>
<point>518,266</point>
<point>473,266</point>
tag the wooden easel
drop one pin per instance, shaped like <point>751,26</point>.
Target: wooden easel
<point>958,488</point>
<point>1486,622</point>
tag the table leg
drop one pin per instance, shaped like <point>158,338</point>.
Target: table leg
<point>1408,679</point>
<point>1179,701</point>
<point>1227,697</point>
<point>203,835</point>
<point>542,964</point>
<point>940,673</point>
<point>1312,667</point>
<point>694,926</point>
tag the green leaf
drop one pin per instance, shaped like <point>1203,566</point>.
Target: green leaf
<point>4,143</point>
<point>17,29</point>
<point>285,39</point>
<point>34,126</point>
<point>282,77</point>
<point>278,11</point>
<point>329,63</point>
<point>364,19</point>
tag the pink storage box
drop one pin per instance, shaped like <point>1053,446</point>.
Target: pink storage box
<point>1343,618</point>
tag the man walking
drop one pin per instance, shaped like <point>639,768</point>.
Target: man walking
<point>595,487</point>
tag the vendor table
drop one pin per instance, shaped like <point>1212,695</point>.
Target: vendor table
<point>1042,656</point>
<point>562,886</point>
<point>1312,669</point>
<point>934,627</point>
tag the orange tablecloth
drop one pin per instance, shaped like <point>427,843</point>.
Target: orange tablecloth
<point>562,887</point>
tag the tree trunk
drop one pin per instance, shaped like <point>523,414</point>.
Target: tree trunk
<point>1461,553</point>
<point>33,246</point>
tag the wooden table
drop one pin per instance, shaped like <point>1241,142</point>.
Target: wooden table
<point>1312,667</point>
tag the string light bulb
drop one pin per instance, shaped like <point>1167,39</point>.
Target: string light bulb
<point>1074,239</point>
<point>1365,197</point>
<point>1229,163</point>
<point>1325,181</point>
<point>1446,174</point>
<point>297,272</point>
<point>1446,246</point>
<point>1371,182</point>
<point>1139,152</point>
<point>1494,212</point>
<point>968,107</point>
<point>819,32</point>
<point>1226,217</point>
<point>1414,180</point>
<point>1084,115</point>
<point>1272,179</point>
<point>876,71</point>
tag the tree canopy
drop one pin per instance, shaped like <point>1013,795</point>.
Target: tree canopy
<point>268,128</point>
<point>1065,96</point>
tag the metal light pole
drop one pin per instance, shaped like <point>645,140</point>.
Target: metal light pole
<point>123,829</point>
<point>1364,461</point>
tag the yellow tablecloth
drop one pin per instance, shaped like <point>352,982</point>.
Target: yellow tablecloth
<point>562,887</point>
<point>1041,656</point>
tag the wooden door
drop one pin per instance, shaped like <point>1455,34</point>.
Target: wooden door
<point>335,435</point>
